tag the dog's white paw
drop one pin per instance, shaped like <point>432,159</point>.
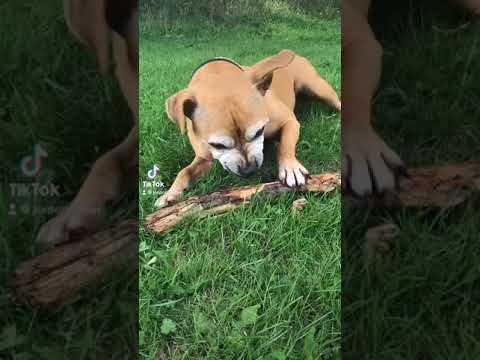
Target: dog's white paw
<point>292,173</point>
<point>368,164</point>
<point>71,224</point>
<point>168,198</point>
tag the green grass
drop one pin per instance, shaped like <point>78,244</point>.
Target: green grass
<point>51,93</point>
<point>421,302</point>
<point>260,282</point>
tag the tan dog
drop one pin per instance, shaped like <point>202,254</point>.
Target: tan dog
<point>228,111</point>
<point>103,25</point>
<point>368,164</point>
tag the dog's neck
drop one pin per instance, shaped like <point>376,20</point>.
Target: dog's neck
<point>217,59</point>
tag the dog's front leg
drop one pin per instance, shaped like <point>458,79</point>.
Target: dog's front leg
<point>368,164</point>
<point>184,180</point>
<point>110,176</point>
<point>290,171</point>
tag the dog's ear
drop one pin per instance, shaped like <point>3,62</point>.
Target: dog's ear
<point>261,74</point>
<point>179,106</point>
<point>87,21</point>
<point>264,84</point>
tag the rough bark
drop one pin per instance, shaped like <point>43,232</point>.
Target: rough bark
<point>56,277</point>
<point>225,200</point>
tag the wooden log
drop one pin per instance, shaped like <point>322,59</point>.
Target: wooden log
<point>56,277</point>
<point>430,187</point>
<point>225,200</point>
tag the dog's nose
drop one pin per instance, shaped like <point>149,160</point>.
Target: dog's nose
<point>248,169</point>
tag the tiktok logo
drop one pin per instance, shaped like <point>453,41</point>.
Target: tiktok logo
<point>152,173</point>
<point>153,186</point>
<point>32,165</point>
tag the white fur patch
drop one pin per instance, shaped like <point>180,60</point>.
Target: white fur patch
<point>232,158</point>
<point>250,133</point>
<point>254,150</point>
<point>225,140</point>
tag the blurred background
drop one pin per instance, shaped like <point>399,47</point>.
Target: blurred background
<point>231,9</point>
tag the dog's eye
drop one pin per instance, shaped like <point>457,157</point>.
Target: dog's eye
<point>258,133</point>
<point>218,146</point>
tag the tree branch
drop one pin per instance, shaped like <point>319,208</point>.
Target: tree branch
<point>55,277</point>
<point>225,200</point>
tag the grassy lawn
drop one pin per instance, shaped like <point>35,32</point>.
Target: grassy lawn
<point>422,301</point>
<point>260,282</point>
<point>52,94</point>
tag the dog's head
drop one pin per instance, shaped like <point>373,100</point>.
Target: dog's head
<point>227,111</point>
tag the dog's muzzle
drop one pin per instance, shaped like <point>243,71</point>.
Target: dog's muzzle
<point>248,170</point>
